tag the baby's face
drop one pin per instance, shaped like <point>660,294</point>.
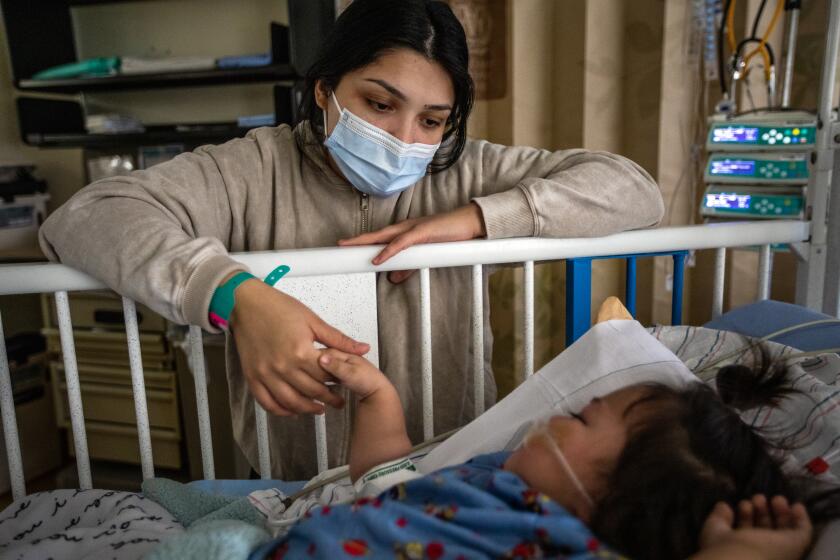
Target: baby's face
<point>591,441</point>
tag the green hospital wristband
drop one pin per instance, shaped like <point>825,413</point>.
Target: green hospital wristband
<point>221,305</point>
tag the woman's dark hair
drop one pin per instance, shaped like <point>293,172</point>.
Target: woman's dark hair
<point>689,450</point>
<point>369,28</point>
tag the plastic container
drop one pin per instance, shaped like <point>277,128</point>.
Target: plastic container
<point>20,220</point>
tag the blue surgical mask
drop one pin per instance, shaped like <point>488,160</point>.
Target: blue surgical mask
<point>372,160</point>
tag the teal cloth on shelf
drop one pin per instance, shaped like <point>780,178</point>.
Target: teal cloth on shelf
<point>104,66</point>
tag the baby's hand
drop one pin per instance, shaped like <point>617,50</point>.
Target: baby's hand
<point>354,372</point>
<point>783,534</point>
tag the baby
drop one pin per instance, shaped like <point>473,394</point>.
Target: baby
<point>651,471</point>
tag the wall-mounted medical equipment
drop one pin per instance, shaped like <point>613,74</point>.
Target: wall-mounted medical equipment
<point>722,201</point>
<point>757,168</point>
<point>770,131</point>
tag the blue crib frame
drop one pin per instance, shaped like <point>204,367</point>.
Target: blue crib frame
<point>579,289</point>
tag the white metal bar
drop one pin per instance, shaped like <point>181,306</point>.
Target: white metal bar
<point>262,441</point>
<point>817,201</point>
<point>792,31</point>
<point>74,393</point>
<point>720,277</point>
<point>19,279</point>
<point>138,387</point>
<point>478,338</point>
<point>426,354</point>
<point>528,366</point>
<point>765,269</point>
<point>321,441</point>
<point>205,434</point>
<point>831,301</point>
<point>10,430</point>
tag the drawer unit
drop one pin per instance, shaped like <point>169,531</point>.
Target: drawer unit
<point>111,348</point>
<point>119,443</point>
<point>114,401</point>
<point>105,379</point>
<point>102,310</point>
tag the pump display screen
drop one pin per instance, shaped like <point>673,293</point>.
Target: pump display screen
<point>729,201</point>
<point>774,136</point>
<point>735,135</point>
<point>732,167</point>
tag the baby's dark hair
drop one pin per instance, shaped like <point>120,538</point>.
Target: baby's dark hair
<point>690,450</point>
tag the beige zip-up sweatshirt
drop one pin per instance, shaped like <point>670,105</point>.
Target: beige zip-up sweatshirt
<point>162,236</point>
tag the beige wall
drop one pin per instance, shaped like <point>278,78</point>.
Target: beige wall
<point>582,74</point>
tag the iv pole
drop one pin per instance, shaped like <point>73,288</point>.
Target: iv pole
<point>817,284</point>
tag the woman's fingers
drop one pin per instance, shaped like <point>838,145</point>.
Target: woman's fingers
<point>400,243</point>
<point>304,384</point>
<point>383,235</point>
<point>290,398</point>
<point>265,400</point>
<point>331,337</point>
<point>398,276</point>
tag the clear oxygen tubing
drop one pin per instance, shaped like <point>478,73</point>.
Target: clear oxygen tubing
<point>539,428</point>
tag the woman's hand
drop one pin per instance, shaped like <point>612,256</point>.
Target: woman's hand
<point>777,531</point>
<point>275,336</point>
<point>354,372</point>
<point>458,225</point>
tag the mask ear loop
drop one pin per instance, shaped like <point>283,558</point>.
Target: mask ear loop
<point>324,111</point>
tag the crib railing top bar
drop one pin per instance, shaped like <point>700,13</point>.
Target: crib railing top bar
<point>29,278</point>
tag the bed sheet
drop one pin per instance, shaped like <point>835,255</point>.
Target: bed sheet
<point>84,524</point>
<point>810,418</point>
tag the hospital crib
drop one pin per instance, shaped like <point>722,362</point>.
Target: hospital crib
<point>331,262</point>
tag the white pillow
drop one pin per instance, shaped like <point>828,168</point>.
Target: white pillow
<point>610,356</point>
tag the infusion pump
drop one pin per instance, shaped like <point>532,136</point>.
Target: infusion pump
<point>758,165</point>
<point>769,131</point>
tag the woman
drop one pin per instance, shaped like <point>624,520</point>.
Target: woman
<point>380,156</point>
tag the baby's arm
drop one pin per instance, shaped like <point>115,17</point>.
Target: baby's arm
<point>379,433</point>
<point>783,535</point>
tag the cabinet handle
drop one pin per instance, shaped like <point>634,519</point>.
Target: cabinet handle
<point>113,317</point>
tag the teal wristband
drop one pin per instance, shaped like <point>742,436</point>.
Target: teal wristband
<point>223,300</point>
<point>221,305</point>
<point>276,274</point>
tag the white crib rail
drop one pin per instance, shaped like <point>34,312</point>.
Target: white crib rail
<point>45,278</point>
<point>205,435</point>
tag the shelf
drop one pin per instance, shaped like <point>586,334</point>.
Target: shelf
<point>195,134</point>
<point>216,77</point>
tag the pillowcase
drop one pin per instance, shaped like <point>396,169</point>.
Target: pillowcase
<point>610,356</point>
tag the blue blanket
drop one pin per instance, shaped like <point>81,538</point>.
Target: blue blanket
<point>474,510</point>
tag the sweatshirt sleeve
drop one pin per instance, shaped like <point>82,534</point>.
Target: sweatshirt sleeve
<point>570,193</point>
<point>160,236</point>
